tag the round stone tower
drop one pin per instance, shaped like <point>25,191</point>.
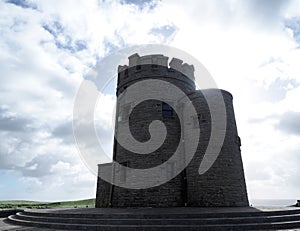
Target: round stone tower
<point>222,185</point>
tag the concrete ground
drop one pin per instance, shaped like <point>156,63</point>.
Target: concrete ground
<point>4,226</point>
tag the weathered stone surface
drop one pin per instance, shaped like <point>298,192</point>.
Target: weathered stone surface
<point>222,185</point>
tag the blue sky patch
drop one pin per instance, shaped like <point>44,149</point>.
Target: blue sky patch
<point>56,29</point>
<point>111,47</point>
<point>141,3</point>
<point>23,4</point>
<point>294,25</point>
<point>166,31</point>
<point>278,89</point>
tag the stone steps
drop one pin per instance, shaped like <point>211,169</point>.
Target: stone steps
<point>8,212</point>
<point>285,219</point>
<point>160,221</point>
<point>156,213</point>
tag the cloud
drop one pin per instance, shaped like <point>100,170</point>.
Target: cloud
<point>46,50</point>
<point>23,3</point>
<point>64,131</point>
<point>294,25</point>
<point>166,33</point>
<point>48,47</point>
<point>277,89</point>
<point>266,11</point>
<point>290,123</point>
<point>141,3</point>
<point>251,52</point>
<point>63,40</point>
<point>10,122</point>
<point>42,165</point>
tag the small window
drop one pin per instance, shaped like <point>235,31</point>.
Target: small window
<point>154,66</point>
<point>138,67</point>
<point>126,73</point>
<point>202,118</point>
<point>167,110</point>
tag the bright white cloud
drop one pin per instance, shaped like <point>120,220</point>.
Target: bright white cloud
<point>46,49</point>
<point>250,48</point>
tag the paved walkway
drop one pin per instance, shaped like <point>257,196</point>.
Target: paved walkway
<point>8,227</point>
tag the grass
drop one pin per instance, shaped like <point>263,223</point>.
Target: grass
<point>21,204</point>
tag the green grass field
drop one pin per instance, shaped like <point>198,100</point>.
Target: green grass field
<point>16,204</point>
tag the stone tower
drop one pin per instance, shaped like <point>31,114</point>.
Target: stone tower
<point>222,185</point>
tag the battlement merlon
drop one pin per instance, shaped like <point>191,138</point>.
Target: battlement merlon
<point>159,60</point>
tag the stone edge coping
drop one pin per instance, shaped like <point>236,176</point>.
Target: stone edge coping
<point>175,210</point>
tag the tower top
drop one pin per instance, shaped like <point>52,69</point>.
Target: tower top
<point>159,60</point>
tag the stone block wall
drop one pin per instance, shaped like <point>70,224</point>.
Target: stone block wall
<point>103,192</point>
<point>222,185</point>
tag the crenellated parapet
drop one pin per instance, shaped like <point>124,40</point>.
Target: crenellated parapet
<point>136,60</point>
<point>156,65</point>
<point>159,60</point>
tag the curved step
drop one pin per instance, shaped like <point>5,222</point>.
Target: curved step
<point>8,212</point>
<point>161,221</point>
<point>152,219</point>
<point>147,215</point>
<point>252,226</point>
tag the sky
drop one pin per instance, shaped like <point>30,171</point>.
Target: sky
<point>250,47</point>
